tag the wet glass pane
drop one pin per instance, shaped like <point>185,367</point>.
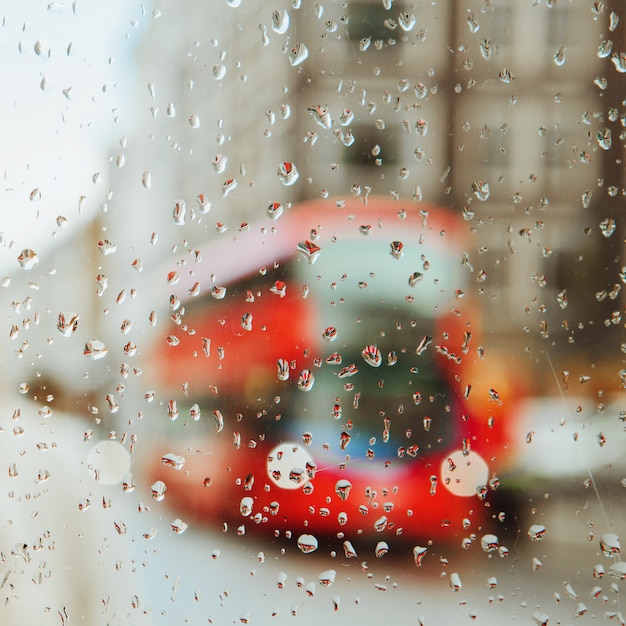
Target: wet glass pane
<point>312,312</point>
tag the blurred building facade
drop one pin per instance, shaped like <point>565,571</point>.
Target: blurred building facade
<point>499,110</point>
<point>492,108</point>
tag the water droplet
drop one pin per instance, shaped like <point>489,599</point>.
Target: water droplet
<point>602,83</point>
<point>613,21</point>
<point>559,56</point>
<point>178,213</point>
<point>279,288</point>
<point>536,532</point>
<point>178,526</point>
<point>419,552</point>
<point>407,21</point>
<point>481,190</point>
<point>46,84</point>
<point>171,110</point>
<point>298,54</point>
<point>610,545</point>
<point>348,371</point>
<point>265,40</point>
<point>95,349</point>
<point>396,249</point>
<point>27,259</point>
<point>245,506</point>
<point>228,186</point>
<point>107,247</point>
<point>158,490</point>
<point>309,250</point>
<point>194,121</point>
<point>42,476</point>
<point>204,206</point>
<point>219,421</point>
<point>327,578</point>
<point>541,619</point>
<point>346,117</point>
<point>329,334</point>
<point>415,278</point>
<point>604,138</point>
<point>472,23</point>
<point>297,475</point>
<point>219,163</point>
<point>67,323</point>
<point>42,47</point>
<point>246,321</point>
<point>346,137</point>
<point>280,21</point>
<point>172,410</point>
<point>455,582</point>
<point>146,180</point>
<point>194,412</point>
<point>306,380</point>
<point>618,570</point>
<point>275,210</point>
<point>486,49</point>
<point>112,402</point>
<point>372,356</point>
<point>321,115</point>
<point>607,226</point>
<point>218,292</point>
<point>343,488</point>
<point>381,524</point>
<point>349,550</point>
<point>288,173</point>
<point>382,548</point>
<point>489,543</point>
<point>307,543</point>
<point>506,76</point>
<point>421,128</point>
<point>175,461</point>
<point>619,61</point>
<point>194,290</point>
<point>281,579</point>
<point>605,49</point>
<point>282,365</point>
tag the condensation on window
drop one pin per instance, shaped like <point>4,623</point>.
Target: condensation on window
<point>312,311</point>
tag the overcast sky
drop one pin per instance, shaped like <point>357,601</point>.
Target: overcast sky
<point>67,72</point>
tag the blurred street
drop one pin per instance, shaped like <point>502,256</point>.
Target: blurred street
<point>551,578</point>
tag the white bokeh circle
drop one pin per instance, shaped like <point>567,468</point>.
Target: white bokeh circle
<point>462,474</point>
<point>108,462</point>
<point>287,466</point>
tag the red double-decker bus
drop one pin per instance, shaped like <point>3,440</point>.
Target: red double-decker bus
<point>325,377</point>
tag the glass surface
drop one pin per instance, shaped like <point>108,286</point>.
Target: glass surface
<point>313,312</point>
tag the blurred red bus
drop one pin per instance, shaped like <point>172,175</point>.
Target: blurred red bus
<point>327,377</point>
